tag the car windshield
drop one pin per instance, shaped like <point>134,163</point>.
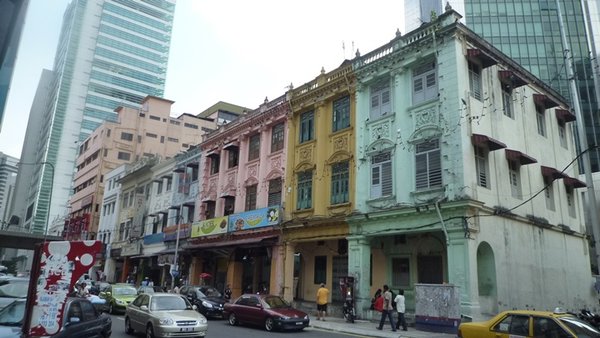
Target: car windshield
<point>166,303</point>
<point>581,328</point>
<point>14,288</point>
<point>210,292</point>
<point>124,291</point>
<point>12,315</point>
<point>147,290</point>
<point>274,302</point>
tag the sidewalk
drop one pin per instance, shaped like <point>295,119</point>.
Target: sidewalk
<point>368,329</point>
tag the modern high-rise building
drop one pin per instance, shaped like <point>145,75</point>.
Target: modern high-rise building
<point>8,176</point>
<point>528,31</point>
<point>12,18</point>
<point>110,53</point>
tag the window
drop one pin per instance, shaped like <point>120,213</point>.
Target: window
<point>481,166</point>
<point>277,134</point>
<point>126,136</point>
<point>320,275</point>
<point>428,165</point>
<point>105,152</point>
<point>195,173</point>
<point>507,103</point>
<point>214,163</point>
<point>380,99</point>
<point>514,325</point>
<point>340,173</point>
<point>254,147</point>
<point>210,209</point>
<point>162,139</point>
<point>229,205</point>
<point>159,187</point>
<point>125,200</point>
<point>190,125</point>
<point>341,113</point>
<point>251,197</point>
<point>381,175</point>
<point>424,83</point>
<point>400,271</point>
<point>547,327</point>
<point>152,117</point>
<point>306,126</point>
<point>475,80</point>
<point>172,139</point>
<point>151,135</point>
<point>107,132</point>
<point>304,190</point>
<point>233,157</point>
<point>571,202</point>
<point>541,120</point>
<point>169,184</point>
<point>549,193</point>
<point>515,179</point>
<point>274,192</point>
<point>124,156</point>
<point>562,134</point>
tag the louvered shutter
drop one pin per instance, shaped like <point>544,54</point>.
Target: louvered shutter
<point>376,180</point>
<point>421,171</point>
<point>386,178</point>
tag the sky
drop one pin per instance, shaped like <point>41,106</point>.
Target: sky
<point>236,51</point>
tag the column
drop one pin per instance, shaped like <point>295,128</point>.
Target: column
<point>289,250</point>
<point>359,266</point>
<point>195,270</point>
<point>277,270</point>
<point>462,272</point>
<point>125,271</point>
<point>234,278</point>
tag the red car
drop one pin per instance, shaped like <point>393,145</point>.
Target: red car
<point>270,311</point>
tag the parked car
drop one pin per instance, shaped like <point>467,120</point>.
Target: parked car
<point>149,289</point>
<point>118,296</point>
<point>11,318</point>
<point>164,315</point>
<point>81,320</point>
<point>207,299</point>
<point>525,323</point>
<point>12,288</point>
<point>270,311</point>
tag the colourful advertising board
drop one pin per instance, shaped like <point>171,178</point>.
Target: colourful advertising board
<point>170,232</point>
<point>59,266</point>
<point>254,219</point>
<point>213,226</point>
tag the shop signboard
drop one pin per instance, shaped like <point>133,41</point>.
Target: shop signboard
<point>58,266</point>
<point>170,232</point>
<point>153,238</point>
<point>254,219</point>
<point>131,249</point>
<point>213,226</point>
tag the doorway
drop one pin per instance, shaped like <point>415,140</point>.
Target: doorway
<point>430,269</point>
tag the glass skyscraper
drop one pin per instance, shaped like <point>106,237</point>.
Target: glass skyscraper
<point>528,31</point>
<point>110,53</point>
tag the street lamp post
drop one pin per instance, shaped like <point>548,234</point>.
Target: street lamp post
<point>50,195</point>
<point>175,266</point>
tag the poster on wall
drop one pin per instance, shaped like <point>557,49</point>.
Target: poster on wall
<point>60,266</point>
<point>213,226</point>
<point>254,219</point>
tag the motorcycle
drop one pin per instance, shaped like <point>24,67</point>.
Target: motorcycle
<point>590,317</point>
<point>347,288</point>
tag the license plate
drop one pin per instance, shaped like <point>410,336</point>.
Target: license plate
<point>299,323</point>
<point>186,329</point>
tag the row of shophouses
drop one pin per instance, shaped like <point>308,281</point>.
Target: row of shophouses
<point>432,159</point>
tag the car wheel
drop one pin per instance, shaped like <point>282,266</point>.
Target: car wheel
<point>269,324</point>
<point>128,328</point>
<point>149,331</point>
<point>232,319</point>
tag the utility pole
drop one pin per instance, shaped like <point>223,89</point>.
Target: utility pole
<point>591,193</point>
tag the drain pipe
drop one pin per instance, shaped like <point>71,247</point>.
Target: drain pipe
<point>437,208</point>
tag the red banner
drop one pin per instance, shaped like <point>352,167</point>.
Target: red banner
<point>60,266</point>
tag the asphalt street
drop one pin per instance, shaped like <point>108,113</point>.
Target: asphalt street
<point>222,329</point>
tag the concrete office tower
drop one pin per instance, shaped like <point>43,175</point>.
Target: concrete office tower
<point>12,17</point>
<point>110,53</point>
<point>8,175</point>
<point>528,32</point>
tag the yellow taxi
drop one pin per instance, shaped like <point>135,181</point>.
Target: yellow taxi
<point>531,324</point>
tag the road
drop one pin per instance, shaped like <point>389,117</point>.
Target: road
<point>221,329</point>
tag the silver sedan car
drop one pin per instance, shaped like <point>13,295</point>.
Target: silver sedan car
<point>164,315</point>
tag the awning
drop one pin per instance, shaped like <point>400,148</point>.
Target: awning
<point>523,159</point>
<point>213,153</point>
<point>573,183</point>
<point>234,145</point>
<point>544,101</point>
<point>179,170</point>
<point>486,141</point>
<point>508,77</point>
<point>551,173</point>
<point>564,116</point>
<point>235,242</point>
<point>166,251</point>
<point>483,58</point>
<point>192,165</point>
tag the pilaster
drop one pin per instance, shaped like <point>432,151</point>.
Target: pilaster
<point>289,250</point>
<point>359,266</point>
<point>460,271</point>
<point>234,278</point>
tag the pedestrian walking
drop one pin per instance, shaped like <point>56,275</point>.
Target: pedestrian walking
<point>227,293</point>
<point>388,309</point>
<point>374,299</point>
<point>401,309</point>
<point>322,297</point>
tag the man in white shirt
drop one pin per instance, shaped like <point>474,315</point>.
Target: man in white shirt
<point>400,308</point>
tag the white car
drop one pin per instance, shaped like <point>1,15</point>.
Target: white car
<point>164,315</point>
